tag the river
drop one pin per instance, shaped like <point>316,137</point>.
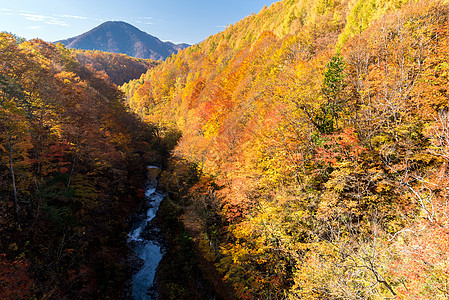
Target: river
<point>144,240</point>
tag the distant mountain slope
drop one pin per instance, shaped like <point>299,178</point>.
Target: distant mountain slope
<point>121,37</point>
<point>119,67</point>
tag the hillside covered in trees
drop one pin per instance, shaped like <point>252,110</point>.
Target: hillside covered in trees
<point>313,162</point>
<point>120,68</point>
<point>72,163</point>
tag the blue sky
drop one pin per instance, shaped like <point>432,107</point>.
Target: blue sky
<point>179,21</point>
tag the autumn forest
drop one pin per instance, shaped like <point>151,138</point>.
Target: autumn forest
<point>304,154</point>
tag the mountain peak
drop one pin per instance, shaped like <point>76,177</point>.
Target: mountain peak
<point>122,37</point>
<point>117,23</point>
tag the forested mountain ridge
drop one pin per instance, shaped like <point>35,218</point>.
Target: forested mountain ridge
<point>313,161</point>
<point>119,67</point>
<point>72,163</point>
<point>121,37</point>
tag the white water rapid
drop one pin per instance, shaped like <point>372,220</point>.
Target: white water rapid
<point>143,240</point>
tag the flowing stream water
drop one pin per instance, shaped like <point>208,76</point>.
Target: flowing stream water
<point>144,240</point>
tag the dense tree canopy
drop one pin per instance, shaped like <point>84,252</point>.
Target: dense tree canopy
<point>310,157</point>
<point>119,67</point>
<point>316,131</point>
<point>68,175</point>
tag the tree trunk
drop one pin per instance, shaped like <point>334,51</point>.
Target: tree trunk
<point>13,176</point>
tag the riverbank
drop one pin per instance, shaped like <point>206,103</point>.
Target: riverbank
<point>179,274</point>
<point>184,272</point>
